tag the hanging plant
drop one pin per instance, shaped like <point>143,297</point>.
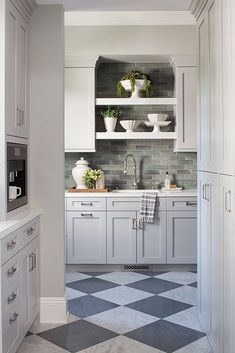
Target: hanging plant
<point>132,77</point>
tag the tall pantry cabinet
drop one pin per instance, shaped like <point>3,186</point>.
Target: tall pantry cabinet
<point>216,173</point>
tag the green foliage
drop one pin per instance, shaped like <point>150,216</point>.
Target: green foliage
<point>132,76</point>
<point>111,112</point>
<point>90,176</point>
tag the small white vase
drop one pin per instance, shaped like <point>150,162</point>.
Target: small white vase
<point>110,124</point>
<point>139,86</point>
<point>78,173</point>
<point>100,182</point>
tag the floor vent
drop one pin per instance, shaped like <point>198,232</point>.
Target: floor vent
<point>137,268</point>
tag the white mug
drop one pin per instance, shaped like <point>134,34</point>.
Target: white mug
<point>14,192</point>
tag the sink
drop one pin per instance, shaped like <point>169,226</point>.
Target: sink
<point>131,191</point>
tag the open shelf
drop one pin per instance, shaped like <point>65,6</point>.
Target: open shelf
<point>135,135</point>
<point>136,101</point>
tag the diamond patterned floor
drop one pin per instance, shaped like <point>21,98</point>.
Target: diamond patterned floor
<point>125,312</point>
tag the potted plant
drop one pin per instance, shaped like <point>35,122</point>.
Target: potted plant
<point>90,177</point>
<point>135,82</point>
<point>110,115</point>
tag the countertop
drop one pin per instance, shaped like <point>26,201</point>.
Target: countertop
<point>18,220</point>
<point>132,193</point>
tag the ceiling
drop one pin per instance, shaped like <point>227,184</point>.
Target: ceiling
<point>120,5</point>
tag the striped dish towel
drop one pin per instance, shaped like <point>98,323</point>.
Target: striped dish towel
<point>147,207</point>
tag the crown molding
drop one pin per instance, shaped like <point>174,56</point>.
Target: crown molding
<point>183,60</point>
<point>196,7</point>
<point>26,7</point>
<point>128,18</point>
<point>80,61</point>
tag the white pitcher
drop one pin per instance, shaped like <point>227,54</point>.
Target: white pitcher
<point>78,173</point>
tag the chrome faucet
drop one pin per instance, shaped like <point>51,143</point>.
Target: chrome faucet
<point>135,181</point>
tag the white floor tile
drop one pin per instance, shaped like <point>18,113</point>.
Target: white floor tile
<point>184,294</point>
<point>179,277</point>
<point>123,277</point>
<point>121,344</point>
<point>122,295</point>
<point>75,276</point>
<point>39,327</point>
<point>187,318</point>
<point>199,346</point>
<point>72,293</point>
<point>121,319</point>
<point>36,344</point>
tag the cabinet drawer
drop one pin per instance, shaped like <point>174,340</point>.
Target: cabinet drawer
<point>132,204</point>
<point>11,327</point>
<point>86,204</point>
<point>10,296</point>
<point>182,203</point>
<point>10,245</point>
<point>29,231</point>
<point>10,273</point>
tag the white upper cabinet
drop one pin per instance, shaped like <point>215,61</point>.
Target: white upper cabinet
<point>79,108</point>
<point>186,109</point>
<point>209,65</point>
<point>17,66</point>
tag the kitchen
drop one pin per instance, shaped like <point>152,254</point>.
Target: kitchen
<point>46,165</point>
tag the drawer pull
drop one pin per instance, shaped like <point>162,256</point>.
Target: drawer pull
<point>34,260</point>
<point>30,230</point>
<point>133,223</point>
<point>140,223</point>
<point>86,204</point>
<point>13,318</point>
<point>31,263</point>
<point>11,244</point>
<point>191,203</point>
<point>86,214</point>
<point>11,272</point>
<point>11,298</point>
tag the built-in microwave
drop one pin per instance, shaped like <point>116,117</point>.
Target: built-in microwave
<point>17,183</point>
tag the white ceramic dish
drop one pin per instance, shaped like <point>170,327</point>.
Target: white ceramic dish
<point>156,126</point>
<point>157,117</point>
<point>130,125</point>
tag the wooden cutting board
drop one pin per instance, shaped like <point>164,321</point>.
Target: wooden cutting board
<point>89,190</point>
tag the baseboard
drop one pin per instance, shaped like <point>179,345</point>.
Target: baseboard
<point>53,310</point>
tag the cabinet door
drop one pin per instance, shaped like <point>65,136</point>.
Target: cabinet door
<point>151,240</point>
<point>209,113</point>
<point>17,51</point>
<point>182,237</point>
<point>80,109</point>
<point>226,211</point>
<point>86,237</point>
<point>186,126</point>
<point>209,259</point>
<point>29,298</point>
<point>121,237</point>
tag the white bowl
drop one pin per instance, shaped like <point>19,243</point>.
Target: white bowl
<point>157,117</point>
<point>130,125</point>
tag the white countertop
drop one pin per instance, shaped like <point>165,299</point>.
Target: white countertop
<point>132,193</point>
<point>18,220</point>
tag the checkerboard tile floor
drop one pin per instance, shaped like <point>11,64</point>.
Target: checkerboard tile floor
<point>125,312</point>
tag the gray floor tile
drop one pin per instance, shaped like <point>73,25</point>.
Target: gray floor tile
<point>88,305</point>
<point>91,285</point>
<point>154,285</point>
<point>158,306</point>
<point>193,285</point>
<point>94,274</point>
<point>165,336</point>
<point>152,273</point>
<point>77,335</point>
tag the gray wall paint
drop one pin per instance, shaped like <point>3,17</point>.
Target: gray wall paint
<point>154,158</point>
<point>47,141</point>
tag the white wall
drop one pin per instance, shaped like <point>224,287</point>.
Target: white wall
<point>101,40</point>
<point>47,147</point>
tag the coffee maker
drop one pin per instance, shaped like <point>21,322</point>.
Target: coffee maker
<point>17,184</point>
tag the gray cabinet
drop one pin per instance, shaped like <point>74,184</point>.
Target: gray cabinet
<point>86,237</point>
<point>151,240</point>
<point>182,237</point>
<point>121,237</point>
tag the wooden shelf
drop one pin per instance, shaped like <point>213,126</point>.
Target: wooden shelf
<point>135,136</point>
<point>136,101</point>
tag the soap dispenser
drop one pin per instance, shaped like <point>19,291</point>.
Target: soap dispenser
<point>167,182</point>
<point>78,173</point>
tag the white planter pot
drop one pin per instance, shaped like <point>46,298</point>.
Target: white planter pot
<point>139,86</point>
<point>110,124</point>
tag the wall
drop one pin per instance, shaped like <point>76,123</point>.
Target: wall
<point>47,151</point>
<point>124,40</point>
